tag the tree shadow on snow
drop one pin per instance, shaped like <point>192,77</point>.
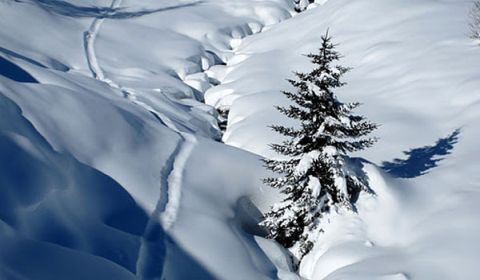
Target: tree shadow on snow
<point>355,168</point>
<point>246,225</point>
<point>68,9</point>
<point>421,160</point>
<point>62,219</point>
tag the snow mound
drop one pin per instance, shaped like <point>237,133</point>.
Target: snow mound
<point>104,128</point>
<point>416,73</point>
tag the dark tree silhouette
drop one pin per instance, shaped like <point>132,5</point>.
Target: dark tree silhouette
<point>421,160</point>
<point>314,176</point>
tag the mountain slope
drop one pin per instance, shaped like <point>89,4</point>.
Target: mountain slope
<point>416,72</point>
<point>111,165</point>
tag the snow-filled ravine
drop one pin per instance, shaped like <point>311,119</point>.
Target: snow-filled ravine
<point>113,165</point>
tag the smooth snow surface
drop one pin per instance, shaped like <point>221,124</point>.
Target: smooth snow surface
<point>416,72</point>
<point>110,160</point>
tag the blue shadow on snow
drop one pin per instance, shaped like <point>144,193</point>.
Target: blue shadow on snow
<point>62,219</point>
<point>421,160</point>
<point>12,71</point>
<point>68,9</point>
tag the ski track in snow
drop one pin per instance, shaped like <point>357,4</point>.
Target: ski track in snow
<point>152,253</point>
<point>171,187</point>
<point>174,180</point>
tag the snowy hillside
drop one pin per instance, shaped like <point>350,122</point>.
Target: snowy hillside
<point>113,164</point>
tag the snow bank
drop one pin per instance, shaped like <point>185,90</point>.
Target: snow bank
<point>416,72</point>
<point>112,169</point>
<point>85,173</point>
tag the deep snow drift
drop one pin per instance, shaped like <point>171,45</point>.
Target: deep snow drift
<point>111,168</point>
<point>416,73</point>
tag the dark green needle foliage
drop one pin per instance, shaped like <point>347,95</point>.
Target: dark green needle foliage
<point>314,174</point>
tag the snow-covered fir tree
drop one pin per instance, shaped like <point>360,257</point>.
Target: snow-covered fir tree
<point>314,174</point>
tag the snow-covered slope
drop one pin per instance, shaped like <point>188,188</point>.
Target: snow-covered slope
<point>416,72</point>
<point>111,168</point>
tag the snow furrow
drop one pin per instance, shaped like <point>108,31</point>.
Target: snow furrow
<point>152,250</point>
<point>175,178</point>
<point>89,39</point>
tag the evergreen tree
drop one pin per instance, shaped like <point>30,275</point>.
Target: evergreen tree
<point>313,174</point>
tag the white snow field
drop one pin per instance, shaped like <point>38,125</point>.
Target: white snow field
<point>111,164</point>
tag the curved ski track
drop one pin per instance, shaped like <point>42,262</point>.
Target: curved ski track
<point>151,254</point>
<point>171,174</point>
